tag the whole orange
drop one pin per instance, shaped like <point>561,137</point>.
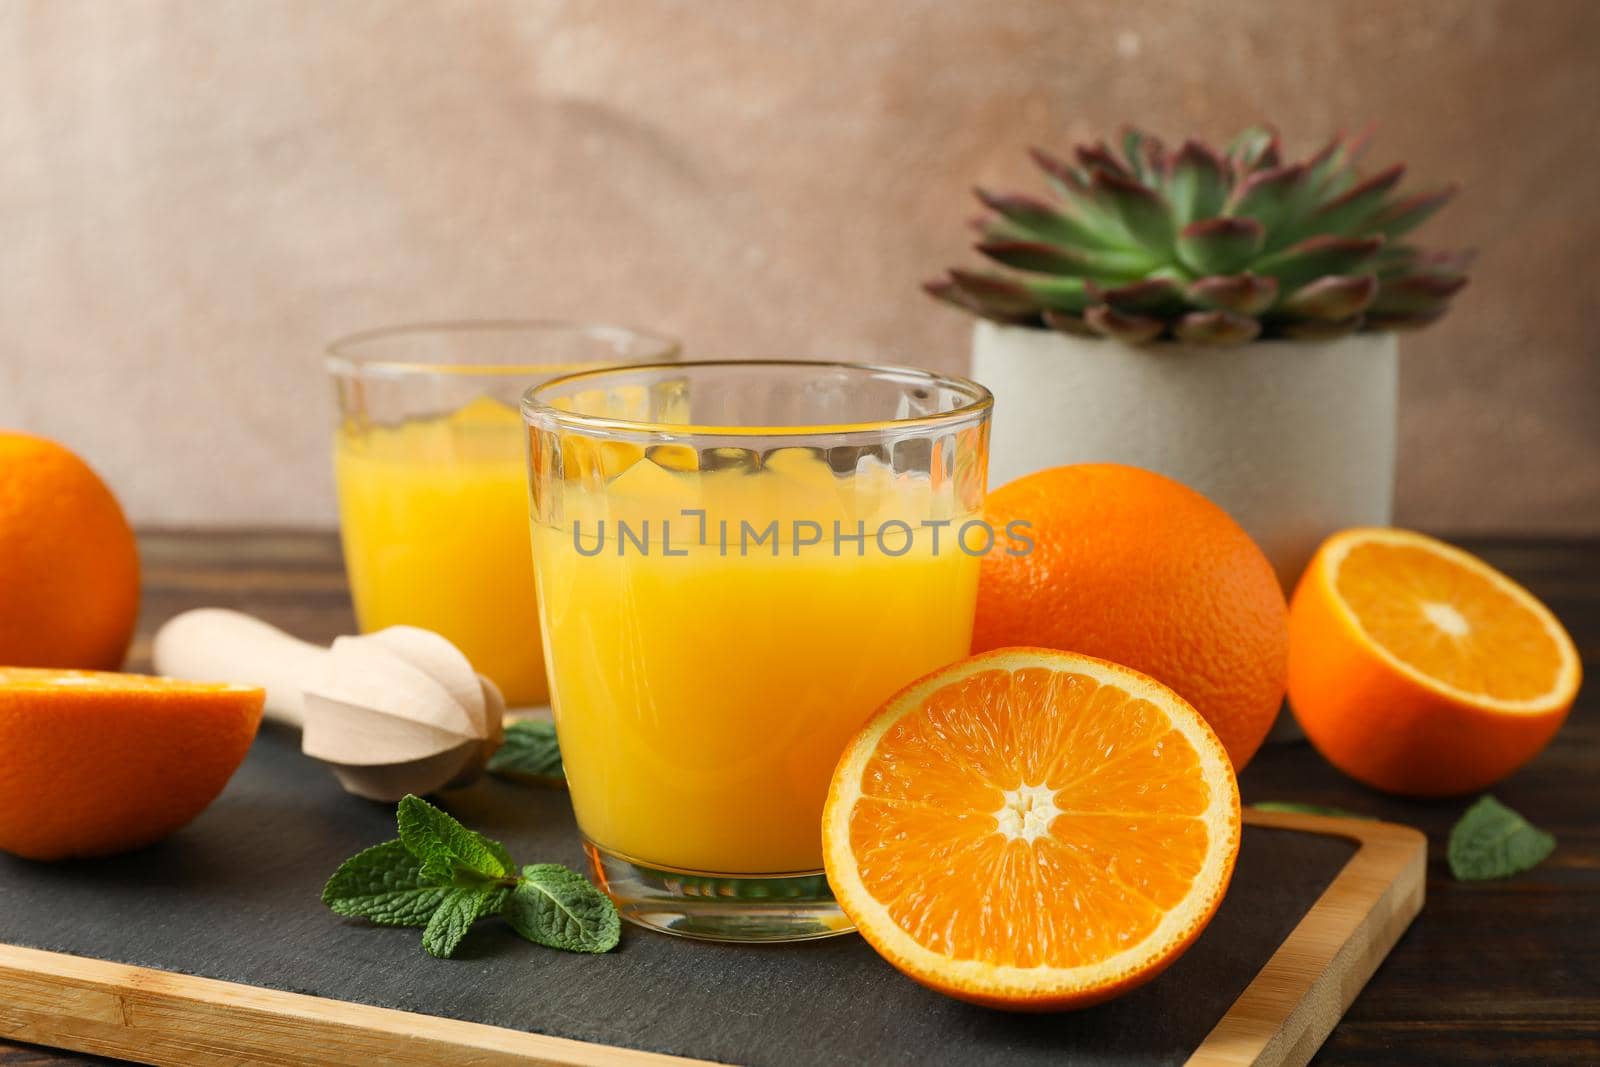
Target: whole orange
<point>1135,568</point>
<point>69,567</point>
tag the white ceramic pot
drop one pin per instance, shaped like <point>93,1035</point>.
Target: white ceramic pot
<point>1295,439</point>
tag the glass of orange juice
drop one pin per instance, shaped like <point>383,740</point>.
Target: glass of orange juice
<point>430,460</point>
<point>737,562</point>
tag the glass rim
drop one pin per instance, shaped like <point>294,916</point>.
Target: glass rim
<point>979,402</point>
<point>341,358</point>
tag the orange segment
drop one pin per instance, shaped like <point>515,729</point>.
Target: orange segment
<point>1417,668</point>
<point>94,763</point>
<point>1450,617</point>
<point>1032,829</point>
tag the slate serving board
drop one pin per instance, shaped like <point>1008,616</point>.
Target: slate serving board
<point>235,897</point>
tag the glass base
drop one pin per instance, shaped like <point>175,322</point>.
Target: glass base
<point>717,907</point>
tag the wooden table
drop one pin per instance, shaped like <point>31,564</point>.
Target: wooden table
<point>1492,973</point>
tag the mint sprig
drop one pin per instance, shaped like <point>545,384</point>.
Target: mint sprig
<point>529,753</point>
<point>1492,841</point>
<point>443,877</point>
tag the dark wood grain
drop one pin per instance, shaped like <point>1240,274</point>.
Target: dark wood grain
<point>1491,973</point>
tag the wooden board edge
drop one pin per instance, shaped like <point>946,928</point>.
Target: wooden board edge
<point>1290,1007</point>
<point>160,1017</point>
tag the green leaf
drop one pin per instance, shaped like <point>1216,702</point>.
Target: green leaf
<point>1220,246</point>
<point>1198,186</point>
<point>1156,295</point>
<point>1276,198</point>
<point>450,853</point>
<point>529,752</point>
<point>1400,217</point>
<point>1492,841</point>
<point>455,915</point>
<point>1144,152</point>
<point>1352,206</point>
<point>1062,260</point>
<point>1038,219</point>
<point>1309,809</point>
<point>1142,211</point>
<point>384,885</point>
<point>1318,256</point>
<point>557,907</point>
<point>1255,147</point>
<point>1060,294</point>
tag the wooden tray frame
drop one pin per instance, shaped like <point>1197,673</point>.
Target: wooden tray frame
<point>161,1017</point>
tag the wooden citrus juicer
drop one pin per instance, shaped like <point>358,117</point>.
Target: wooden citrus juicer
<point>392,712</point>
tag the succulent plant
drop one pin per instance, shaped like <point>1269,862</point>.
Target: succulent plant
<point>1209,248</point>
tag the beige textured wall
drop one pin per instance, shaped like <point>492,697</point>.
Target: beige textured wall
<point>195,195</point>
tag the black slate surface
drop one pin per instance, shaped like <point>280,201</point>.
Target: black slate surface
<point>235,896</point>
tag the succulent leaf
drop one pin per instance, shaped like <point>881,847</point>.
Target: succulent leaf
<point>1332,298</point>
<point>1153,296</point>
<point>1064,322</point>
<point>1047,258</point>
<point>947,291</point>
<point>1145,154</point>
<point>992,296</point>
<point>1221,245</point>
<point>1130,329</point>
<point>1318,329</point>
<point>1059,294</point>
<point>1098,159</point>
<point>1063,176</point>
<point>1254,149</point>
<point>1417,293</point>
<point>1142,211</point>
<point>1272,197</point>
<point>1133,150</point>
<point>1360,201</point>
<point>1316,256</point>
<point>1037,218</point>
<point>1327,162</point>
<point>1244,294</point>
<point>1198,186</point>
<point>1216,328</point>
<point>1403,216</point>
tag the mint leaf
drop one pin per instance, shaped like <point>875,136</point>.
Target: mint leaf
<point>450,853</point>
<point>558,907</point>
<point>1492,841</point>
<point>455,915</point>
<point>443,877</point>
<point>1309,809</point>
<point>529,753</point>
<point>383,884</point>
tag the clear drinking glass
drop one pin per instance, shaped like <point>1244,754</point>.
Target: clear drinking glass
<point>737,563</point>
<point>430,460</point>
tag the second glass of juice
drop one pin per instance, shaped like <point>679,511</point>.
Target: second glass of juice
<point>430,461</point>
<point>737,563</point>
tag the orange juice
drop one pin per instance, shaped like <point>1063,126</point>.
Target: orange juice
<point>434,515</point>
<point>704,693</point>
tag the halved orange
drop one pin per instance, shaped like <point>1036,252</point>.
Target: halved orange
<point>1417,668</point>
<point>1032,829</point>
<point>93,763</point>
